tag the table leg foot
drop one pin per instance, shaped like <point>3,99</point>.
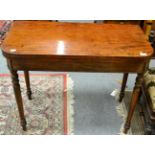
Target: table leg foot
<point>27,80</point>
<point>29,95</point>
<point>126,128</point>
<point>23,124</point>
<point>121,96</point>
<point>125,77</point>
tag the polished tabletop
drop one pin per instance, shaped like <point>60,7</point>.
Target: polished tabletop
<point>76,39</point>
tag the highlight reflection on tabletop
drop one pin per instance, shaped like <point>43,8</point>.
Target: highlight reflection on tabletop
<point>60,47</point>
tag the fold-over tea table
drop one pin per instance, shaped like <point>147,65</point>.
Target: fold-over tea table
<point>78,47</point>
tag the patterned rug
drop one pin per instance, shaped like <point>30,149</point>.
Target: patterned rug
<point>49,112</point>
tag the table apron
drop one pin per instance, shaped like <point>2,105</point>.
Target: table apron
<point>80,64</point>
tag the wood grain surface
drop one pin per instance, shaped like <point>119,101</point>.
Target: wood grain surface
<point>75,39</point>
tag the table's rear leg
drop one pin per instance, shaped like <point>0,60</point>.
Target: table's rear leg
<point>134,101</point>
<point>122,92</point>
<point>18,97</point>
<point>27,80</point>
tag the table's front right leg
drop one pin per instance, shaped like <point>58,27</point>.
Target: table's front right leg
<point>17,92</point>
<point>134,101</point>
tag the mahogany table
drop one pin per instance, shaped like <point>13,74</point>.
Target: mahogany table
<point>89,47</point>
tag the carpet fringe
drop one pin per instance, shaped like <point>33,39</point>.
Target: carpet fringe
<point>70,98</point>
<point>122,112</point>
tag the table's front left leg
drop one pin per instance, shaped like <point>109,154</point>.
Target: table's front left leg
<point>17,92</point>
<point>134,101</point>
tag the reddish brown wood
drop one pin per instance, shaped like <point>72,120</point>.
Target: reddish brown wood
<point>81,64</point>
<point>18,97</point>
<point>75,39</point>
<point>51,46</point>
<point>27,80</point>
<point>122,92</point>
<point>134,100</point>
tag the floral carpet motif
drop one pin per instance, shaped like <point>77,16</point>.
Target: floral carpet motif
<point>49,112</point>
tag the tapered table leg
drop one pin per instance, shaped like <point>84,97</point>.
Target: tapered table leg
<point>18,97</point>
<point>27,80</point>
<point>122,92</point>
<point>134,101</point>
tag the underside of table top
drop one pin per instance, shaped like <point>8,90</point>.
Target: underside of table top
<point>75,39</point>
